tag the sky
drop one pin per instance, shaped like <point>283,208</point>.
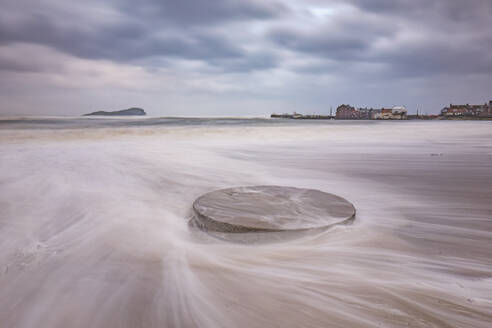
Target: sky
<point>242,57</point>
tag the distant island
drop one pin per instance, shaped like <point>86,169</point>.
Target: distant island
<point>124,112</point>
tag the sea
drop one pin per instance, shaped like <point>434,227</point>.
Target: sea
<point>95,213</point>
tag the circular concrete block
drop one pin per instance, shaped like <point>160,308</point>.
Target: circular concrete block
<point>270,209</point>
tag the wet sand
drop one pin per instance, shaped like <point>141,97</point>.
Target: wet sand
<point>94,230</point>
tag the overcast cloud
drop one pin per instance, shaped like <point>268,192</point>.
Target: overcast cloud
<point>248,57</point>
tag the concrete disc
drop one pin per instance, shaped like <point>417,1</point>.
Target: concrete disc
<point>270,209</point>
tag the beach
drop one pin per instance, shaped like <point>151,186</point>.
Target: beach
<point>94,224</point>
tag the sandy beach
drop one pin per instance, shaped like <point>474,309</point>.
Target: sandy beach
<point>94,224</point>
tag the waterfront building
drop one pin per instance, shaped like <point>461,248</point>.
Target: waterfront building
<point>487,109</point>
<point>365,113</point>
<point>467,110</point>
<point>399,113</point>
<point>347,112</point>
<point>386,113</point>
<point>376,114</point>
<point>455,111</point>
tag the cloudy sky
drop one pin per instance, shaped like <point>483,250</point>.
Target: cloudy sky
<point>242,57</point>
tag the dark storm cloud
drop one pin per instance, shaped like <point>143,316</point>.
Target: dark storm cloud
<point>456,9</point>
<point>192,12</point>
<point>321,44</point>
<point>248,63</point>
<point>150,29</point>
<point>427,59</point>
<point>408,59</point>
<point>340,39</point>
<point>420,38</point>
<point>10,64</point>
<point>116,42</point>
<point>197,30</point>
<point>392,6</point>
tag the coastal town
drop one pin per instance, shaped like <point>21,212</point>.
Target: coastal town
<point>347,112</point>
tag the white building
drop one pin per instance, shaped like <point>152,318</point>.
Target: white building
<point>399,113</point>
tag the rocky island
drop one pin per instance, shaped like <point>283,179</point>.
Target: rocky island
<point>124,112</point>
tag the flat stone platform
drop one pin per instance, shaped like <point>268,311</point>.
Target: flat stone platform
<point>270,209</point>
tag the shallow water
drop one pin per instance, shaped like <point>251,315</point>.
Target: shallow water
<point>94,224</point>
